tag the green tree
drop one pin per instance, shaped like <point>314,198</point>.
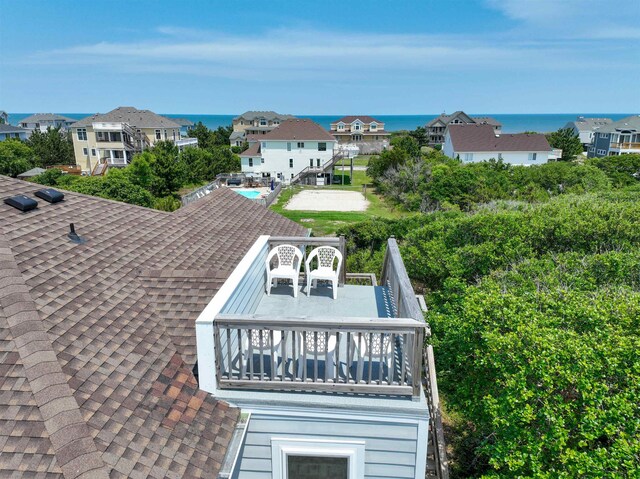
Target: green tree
<point>15,157</point>
<point>168,170</point>
<point>53,147</point>
<point>420,135</point>
<point>568,141</point>
<point>140,171</point>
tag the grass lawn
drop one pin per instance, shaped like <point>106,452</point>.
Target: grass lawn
<point>325,223</point>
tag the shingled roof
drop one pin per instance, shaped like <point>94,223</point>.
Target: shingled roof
<point>298,130</point>
<point>97,339</point>
<point>351,118</point>
<point>132,116</point>
<point>483,138</point>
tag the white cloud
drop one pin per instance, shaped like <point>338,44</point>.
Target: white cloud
<point>313,54</point>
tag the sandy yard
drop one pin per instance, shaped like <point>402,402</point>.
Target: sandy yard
<point>327,200</point>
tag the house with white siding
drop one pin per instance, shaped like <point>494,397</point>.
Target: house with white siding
<point>42,121</point>
<point>475,143</point>
<point>293,147</point>
<point>586,127</point>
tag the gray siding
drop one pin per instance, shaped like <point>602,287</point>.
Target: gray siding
<point>390,447</point>
<point>600,144</point>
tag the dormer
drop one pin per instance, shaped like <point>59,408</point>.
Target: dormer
<point>373,126</point>
<point>263,122</point>
<point>341,126</point>
<point>356,125</point>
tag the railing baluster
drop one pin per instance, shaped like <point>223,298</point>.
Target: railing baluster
<point>315,356</point>
<point>303,348</point>
<point>382,354</point>
<point>240,353</point>
<point>403,372</point>
<point>250,355</point>
<point>349,360</point>
<point>295,361</point>
<point>273,355</point>
<point>228,361</point>
<point>337,358</point>
<point>326,357</point>
<point>283,357</point>
<point>371,357</point>
<point>261,339</point>
<point>360,358</point>
<point>394,349</point>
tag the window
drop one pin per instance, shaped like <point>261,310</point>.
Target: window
<point>250,161</point>
<point>533,156</point>
<point>310,162</point>
<point>373,126</point>
<point>85,151</point>
<point>341,126</point>
<point>37,125</point>
<point>16,135</point>
<point>82,134</point>
<point>93,152</point>
<point>499,156</point>
<point>158,135</point>
<point>357,127</point>
<point>288,146</point>
<point>322,146</point>
<point>318,162</point>
<point>262,161</point>
<point>604,135</point>
<point>301,144</point>
<point>317,458</point>
<point>468,157</point>
<point>165,134</point>
<point>263,145</point>
<point>602,152</point>
<point>174,135</point>
<point>263,122</point>
<point>290,162</point>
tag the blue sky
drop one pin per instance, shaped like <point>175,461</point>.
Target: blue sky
<point>322,57</point>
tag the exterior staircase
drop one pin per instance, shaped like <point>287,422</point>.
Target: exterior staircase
<point>309,170</point>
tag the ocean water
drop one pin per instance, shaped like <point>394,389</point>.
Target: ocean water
<point>511,123</point>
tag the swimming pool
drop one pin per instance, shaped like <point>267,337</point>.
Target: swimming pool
<point>251,194</point>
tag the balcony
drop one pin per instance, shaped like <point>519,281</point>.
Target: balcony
<point>625,146</point>
<point>367,341</point>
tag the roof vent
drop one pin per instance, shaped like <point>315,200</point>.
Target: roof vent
<point>22,202</point>
<point>50,195</point>
<point>75,237</point>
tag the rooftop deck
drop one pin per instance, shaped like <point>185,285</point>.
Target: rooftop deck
<point>369,340</point>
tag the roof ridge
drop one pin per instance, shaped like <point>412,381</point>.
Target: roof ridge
<point>75,450</point>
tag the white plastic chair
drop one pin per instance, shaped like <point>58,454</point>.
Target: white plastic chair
<point>316,344</point>
<point>260,345</point>
<point>286,268</point>
<point>326,256</point>
<point>370,346</point>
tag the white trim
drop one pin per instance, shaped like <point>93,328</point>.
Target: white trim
<point>421,448</point>
<point>281,447</point>
<point>205,345</point>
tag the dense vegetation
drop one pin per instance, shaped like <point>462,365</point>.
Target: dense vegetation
<point>52,147</point>
<point>532,277</point>
<point>153,178</point>
<point>431,181</point>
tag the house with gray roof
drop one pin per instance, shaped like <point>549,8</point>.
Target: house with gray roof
<point>363,131</point>
<point>141,343</point>
<point>617,138</point>
<point>436,128</point>
<point>255,123</point>
<point>479,142</point>
<point>113,138</point>
<point>585,128</point>
<point>42,121</point>
<point>13,132</point>
<point>4,117</point>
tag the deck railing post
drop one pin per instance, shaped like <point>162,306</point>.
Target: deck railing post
<point>343,269</point>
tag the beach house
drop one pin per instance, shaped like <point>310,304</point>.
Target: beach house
<point>586,127</point>
<point>42,121</point>
<point>141,343</point>
<point>617,138</point>
<point>111,139</point>
<point>9,131</point>
<point>436,127</point>
<point>294,149</point>
<point>479,142</point>
<point>365,132</point>
<point>255,123</point>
